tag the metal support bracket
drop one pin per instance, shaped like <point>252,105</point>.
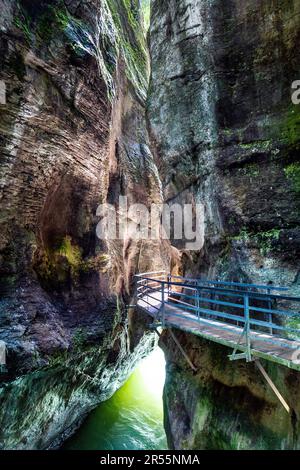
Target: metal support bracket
<point>155,325</point>
<point>237,357</point>
<point>245,355</point>
<point>194,368</point>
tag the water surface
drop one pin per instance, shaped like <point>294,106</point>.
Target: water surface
<point>133,418</point>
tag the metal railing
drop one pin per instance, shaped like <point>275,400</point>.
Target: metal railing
<point>253,307</point>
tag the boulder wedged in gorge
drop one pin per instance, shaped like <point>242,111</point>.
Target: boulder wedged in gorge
<point>226,405</point>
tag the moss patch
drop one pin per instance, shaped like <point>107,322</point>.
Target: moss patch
<point>146,11</point>
<point>293,323</point>
<point>71,252</point>
<point>291,127</point>
<point>264,240</point>
<point>130,41</point>
<point>116,31</point>
<point>22,21</point>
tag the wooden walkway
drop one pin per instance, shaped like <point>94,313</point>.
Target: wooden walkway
<point>156,298</point>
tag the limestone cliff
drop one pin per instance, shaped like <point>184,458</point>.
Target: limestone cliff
<point>225,133</point>
<point>72,136</point>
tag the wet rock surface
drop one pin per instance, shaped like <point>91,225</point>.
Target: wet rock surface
<point>225,130</point>
<point>73,136</point>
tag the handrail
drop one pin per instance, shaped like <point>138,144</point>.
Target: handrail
<point>153,272</point>
<point>227,283</point>
<point>231,304</point>
<point>248,315</point>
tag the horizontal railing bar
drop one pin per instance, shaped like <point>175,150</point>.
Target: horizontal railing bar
<point>228,283</point>
<point>224,283</point>
<point>265,324</point>
<point>212,301</point>
<point>188,306</point>
<point>238,318</point>
<point>149,289</point>
<point>215,313</point>
<point>221,326</point>
<point>145,280</point>
<point>223,292</point>
<point>178,301</point>
<point>230,304</point>
<point>141,287</point>
<point>229,316</point>
<point>151,283</point>
<point>141,294</point>
<point>196,308</point>
<point>154,289</point>
<point>272,339</point>
<point>280,341</point>
<point>185,287</point>
<point>154,298</point>
<point>233,293</point>
<point>150,273</point>
<point>275,312</point>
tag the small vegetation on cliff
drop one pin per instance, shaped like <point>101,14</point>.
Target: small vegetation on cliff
<point>44,24</point>
<point>292,172</point>
<point>130,41</point>
<point>64,263</point>
<point>71,252</point>
<point>291,127</point>
<point>23,22</point>
<point>79,339</point>
<point>146,10</point>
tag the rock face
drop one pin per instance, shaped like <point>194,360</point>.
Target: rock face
<point>72,136</point>
<point>225,133</point>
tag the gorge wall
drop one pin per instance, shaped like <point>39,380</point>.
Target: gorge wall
<point>73,136</point>
<point>225,133</point>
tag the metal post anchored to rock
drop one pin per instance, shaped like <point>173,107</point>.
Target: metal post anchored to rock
<point>194,368</point>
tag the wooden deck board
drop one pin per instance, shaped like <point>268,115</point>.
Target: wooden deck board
<point>286,352</point>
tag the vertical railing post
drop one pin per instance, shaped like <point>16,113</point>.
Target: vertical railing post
<point>163,303</point>
<point>270,314</point>
<point>198,301</point>
<point>135,291</point>
<point>247,327</point>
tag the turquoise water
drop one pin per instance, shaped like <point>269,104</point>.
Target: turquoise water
<point>133,418</point>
